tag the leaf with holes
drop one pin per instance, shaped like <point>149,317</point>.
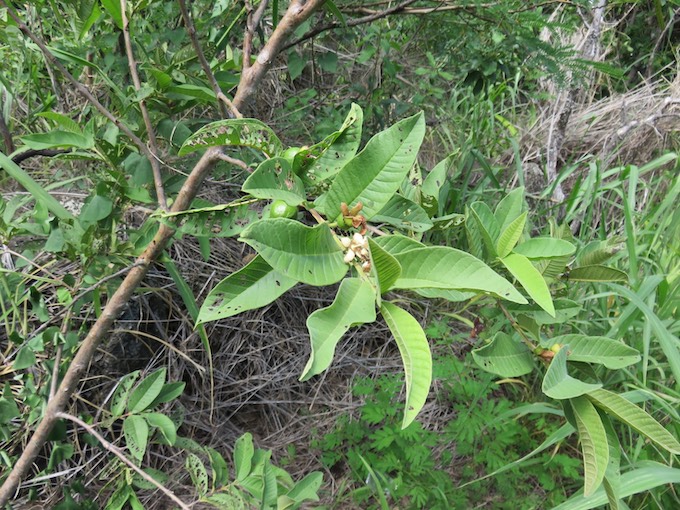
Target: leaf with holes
<point>306,254</point>
<point>375,174</point>
<point>354,304</point>
<point>416,356</point>
<point>274,179</point>
<point>136,432</point>
<point>594,446</point>
<point>404,214</point>
<point>198,473</point>
<point>235,133</point>
<point>254,286</point>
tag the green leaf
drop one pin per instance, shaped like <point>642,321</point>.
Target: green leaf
<point>243,456</point>
<point>120,396</point>
<point>169,392</point>
<point>306,489</point>
<point>40,195</point>
<point>136,432</point>
<point>403,214</point>
<point>597,273</point>
<point>63,121</point>
<point>597,252</point>
<point>432,185</point>
<point>339,148</point>
<point>25,358</point>
<point>165,426</point>
<point>386,266</point>
<point>635,481</point>
<point>198,473</point>
<point>274,179</point>
<point>510,208</point>
<point>146,391</point>
<point>594,444</point>
<point>454,296</point>
<point>504,356</point>
<point>528,276</point>
<point>113,8</point>
<point>187,91</point>
<point>447,268</point>
<point>598,349</point>
<point>397,243</point>
<point>375,174</point>
<point>58,139</point>
<point>218,467</point>
<point>307,254</point>
<point>416,356</point>
<point>353,304</point>
<point>558,384</point>
<point>253,286</point>
<point>224,220</point>
<point>236,133</point>
<point>96,209</point>
<point>509,237</point>
<point>612,475</point>
<point>487,225</point>
<point>635,418</point>
<point>544,248</point>
<point>8,406</point>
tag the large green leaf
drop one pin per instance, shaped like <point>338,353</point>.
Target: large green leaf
<point>510,208</point>
<point>597,273</point>
<point>528,276</point>
<point>455,296</point>
<point>243,456</point>
<point>58,138</point>
<point>403,214</point>
<point>353,304</point>
<point>612,475</point>
<point>374,175</point>
<point>386,266</point>
<point>416,356</point>
<point>39,193</point>
<point>510,236</point>
<point>441,267</point>
<point>504,356</point>
<point>633,482</point>
<point>397,243</point>
<point>306,254</point>
<point>558,384</point>
<point>594,444</point>
<point>205,219</point>
<point>598,349</point>
<point>253,286</point>
<point>274,179</point>
<point>234,132</point>
<point>544,247</point>
<point>634,417</point>
<point>338,148</point>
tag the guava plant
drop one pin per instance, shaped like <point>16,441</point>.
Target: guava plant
<point>363,217</point>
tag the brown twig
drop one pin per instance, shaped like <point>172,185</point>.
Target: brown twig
<point>118,453</point>
<point>31,153</point>
<point>132,64</point>
<point>224,104</point>
<point>297,12</point>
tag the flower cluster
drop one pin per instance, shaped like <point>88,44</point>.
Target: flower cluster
<point>357,248</point>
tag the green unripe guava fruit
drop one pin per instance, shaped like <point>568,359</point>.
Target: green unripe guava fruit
<point>280,209</point>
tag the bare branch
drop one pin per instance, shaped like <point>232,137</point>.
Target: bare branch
<point>155,166</point>
<point>118,453</point>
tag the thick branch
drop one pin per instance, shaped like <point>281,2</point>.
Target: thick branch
<point>296,14</point>
<point>155,166</point>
